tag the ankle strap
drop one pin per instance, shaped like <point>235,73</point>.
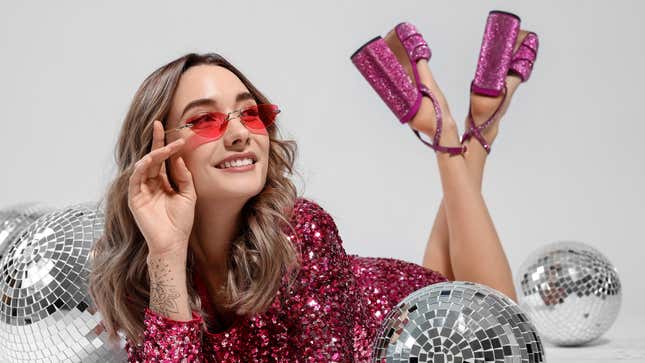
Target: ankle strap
<point>452,150</point>
<point>475,130</point>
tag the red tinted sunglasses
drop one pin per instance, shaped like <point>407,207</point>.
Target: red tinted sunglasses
<point>212,125</point>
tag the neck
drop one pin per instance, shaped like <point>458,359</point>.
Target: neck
<point>217,224</point>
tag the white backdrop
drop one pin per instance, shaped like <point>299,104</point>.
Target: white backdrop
<point>567,165</point>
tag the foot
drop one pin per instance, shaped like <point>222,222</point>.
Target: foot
<point>425,121</point>
<point>483,107</point>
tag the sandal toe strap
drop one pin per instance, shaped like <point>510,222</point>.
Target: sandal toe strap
<point>413,42</point>
<point>523,59</point>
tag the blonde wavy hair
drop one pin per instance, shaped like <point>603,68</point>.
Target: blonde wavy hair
<point>260,256</point>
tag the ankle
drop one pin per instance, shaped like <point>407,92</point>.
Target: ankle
<point>449,126</point>
<point>449,132</point>
<point>483,107</point>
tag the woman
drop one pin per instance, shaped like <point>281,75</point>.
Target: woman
<point>193,266</point>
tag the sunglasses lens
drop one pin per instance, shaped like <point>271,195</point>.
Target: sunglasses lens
<point>259,117</point>
<point>210,125</point>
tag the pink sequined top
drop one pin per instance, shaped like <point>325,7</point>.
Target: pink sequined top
<point>331,314</point>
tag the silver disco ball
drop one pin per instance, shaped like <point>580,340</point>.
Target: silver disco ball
<point>457,321</point>
<point>46,312</point>
<point>571,292</point>
<point>15,218</point>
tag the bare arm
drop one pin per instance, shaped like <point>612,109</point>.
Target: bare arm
<point>165,217</point>
<point>168,290</point>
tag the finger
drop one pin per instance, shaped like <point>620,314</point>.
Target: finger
<point>157,143</point>
<point>158,156</point>
<point>137,178</point>
<point>163,170</point>
<point>157,135</point>
<point>164,178</point>
<point>184,177</point>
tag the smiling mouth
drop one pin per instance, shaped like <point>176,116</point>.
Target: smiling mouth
<point>253,162</point>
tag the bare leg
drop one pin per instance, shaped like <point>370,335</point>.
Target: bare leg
<point>475,252</point>
<point>437,254</point>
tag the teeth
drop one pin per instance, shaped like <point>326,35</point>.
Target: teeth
<point>235,163</point>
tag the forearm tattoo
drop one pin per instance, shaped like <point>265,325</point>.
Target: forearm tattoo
<point>163,289</point>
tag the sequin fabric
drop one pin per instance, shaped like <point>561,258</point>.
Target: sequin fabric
<point>332,313</point>
<point>524,57</point>
<point>413,42</point>
<point>495,53</point>
<point>378,64</point>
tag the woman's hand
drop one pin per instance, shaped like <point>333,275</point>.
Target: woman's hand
<point>165,217</point>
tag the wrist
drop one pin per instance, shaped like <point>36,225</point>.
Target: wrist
<point>175,256</point>
<point>168,289</point>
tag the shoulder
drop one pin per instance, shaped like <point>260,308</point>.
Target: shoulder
<point>314,230</point>
<point>310,219</point>
<point>307,208</point>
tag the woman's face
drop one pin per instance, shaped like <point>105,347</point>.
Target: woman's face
<point>219,90</point>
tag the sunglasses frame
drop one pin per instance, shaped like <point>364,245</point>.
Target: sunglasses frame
<point>227,118</point>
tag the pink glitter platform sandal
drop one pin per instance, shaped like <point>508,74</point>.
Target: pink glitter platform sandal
<point>496,60</point>
<point>401,90</point>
